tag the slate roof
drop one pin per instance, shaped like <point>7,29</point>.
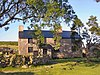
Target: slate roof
<point>47,34</point>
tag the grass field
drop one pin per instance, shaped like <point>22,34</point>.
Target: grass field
<point>10,46</point>
<point>58,66</point>
<point>13,45</point>
<point>8,43</point>
<point>61,67</point>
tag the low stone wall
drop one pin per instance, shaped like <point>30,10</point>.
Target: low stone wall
<point>19,60</point>
<point>41,60</point>
<point>67,54</point>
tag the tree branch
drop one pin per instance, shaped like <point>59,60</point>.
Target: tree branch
<point>12,17</point>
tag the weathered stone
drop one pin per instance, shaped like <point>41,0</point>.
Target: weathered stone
<point>25,66</point>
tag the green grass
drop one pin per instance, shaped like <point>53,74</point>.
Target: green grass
<point>57,67</point>
<point>61,67</point>
<point>10,44</point>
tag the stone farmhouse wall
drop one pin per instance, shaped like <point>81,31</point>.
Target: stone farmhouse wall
<point>64,51</point>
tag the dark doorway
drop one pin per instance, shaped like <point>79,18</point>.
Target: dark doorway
<point>30,49</point>
<point>35,53</point>
<point>44,51</point>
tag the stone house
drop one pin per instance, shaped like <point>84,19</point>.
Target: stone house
<point>26,44</point>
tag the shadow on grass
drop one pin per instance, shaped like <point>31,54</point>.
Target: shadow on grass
<point>17,73</point>
<point>78,60</point>
<point>65,60</point>
<point>54,61</point>
<point>93,62</point>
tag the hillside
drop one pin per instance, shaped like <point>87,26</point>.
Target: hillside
<point>10,44</point>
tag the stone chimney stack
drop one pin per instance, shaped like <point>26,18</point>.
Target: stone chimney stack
<point>20,40</point>
<point>21,27</point>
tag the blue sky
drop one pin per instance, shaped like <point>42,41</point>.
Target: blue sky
<point>83,8</point>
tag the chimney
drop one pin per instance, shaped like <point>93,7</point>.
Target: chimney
<point>20,35</point>
<point>21,27</point>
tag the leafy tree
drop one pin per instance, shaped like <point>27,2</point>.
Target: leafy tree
<point>92,32</point>
<point>77,24</point>
<point>44,13</point>
<point>94,27</point>
<point>51,13</point>
<point>12,10</point>
<point>97,0</point>
<point>76,27</point>
<point>38,35</point>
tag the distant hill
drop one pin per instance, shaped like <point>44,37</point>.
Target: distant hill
<point>9,43</point>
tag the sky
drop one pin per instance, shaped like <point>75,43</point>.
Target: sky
<point>83,8</point>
